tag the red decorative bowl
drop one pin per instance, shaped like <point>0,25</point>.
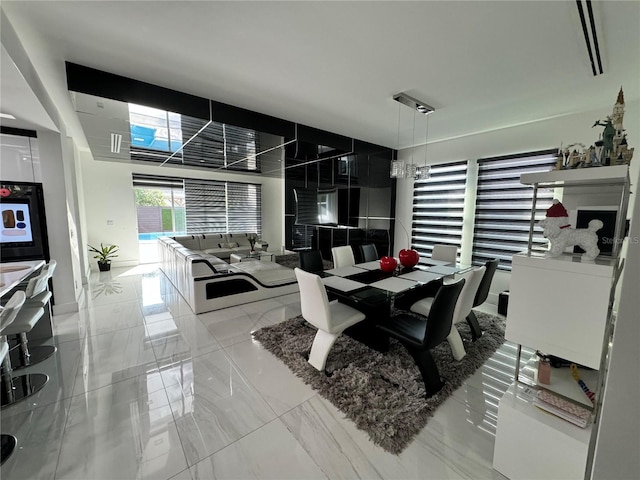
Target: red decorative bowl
<point>388,264</point>
<point>409,258</point>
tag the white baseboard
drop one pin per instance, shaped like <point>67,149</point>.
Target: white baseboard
<point>60,309</point>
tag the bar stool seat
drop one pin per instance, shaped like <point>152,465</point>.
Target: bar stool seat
<point>15,389</point>
<point>38,297</point>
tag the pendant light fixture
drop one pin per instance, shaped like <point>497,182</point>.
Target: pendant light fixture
<point>412,170</point>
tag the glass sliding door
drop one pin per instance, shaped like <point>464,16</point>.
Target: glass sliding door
<point>160,208</point>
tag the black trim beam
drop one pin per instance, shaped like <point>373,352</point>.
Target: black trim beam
<point>109,85</point>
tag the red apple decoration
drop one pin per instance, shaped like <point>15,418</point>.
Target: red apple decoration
<point>409,258</point>
<point>388,264</point>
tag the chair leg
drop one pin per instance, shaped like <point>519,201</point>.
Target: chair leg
<point>16,389</point>
<point>23,356</point>
<point>476,331</point>
<point>428,369</point>
<point>322,344</point>
<point>455,341</point>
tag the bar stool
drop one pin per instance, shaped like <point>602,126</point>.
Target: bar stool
<point>8,442</point>
<point>33,310</point>
<point>15,389</point>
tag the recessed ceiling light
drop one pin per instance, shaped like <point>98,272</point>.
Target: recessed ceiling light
<point>7,115</point>
<point>116,142</point>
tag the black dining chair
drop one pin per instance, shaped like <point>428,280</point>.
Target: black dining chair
<point>419,334</point>
<point>481,297</point>
<point>311,261</point>
<point>369,252</point>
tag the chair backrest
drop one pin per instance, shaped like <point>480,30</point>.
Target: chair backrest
<point>11,309</point>
<point>50,268</point>
<point>485,284</point>
<point>37,284</point>
<point>369,252</point>
<point>343,256</point>
<point>311,261</point>
<point>313,299</point>
<point>440,317</point>
<point>465,301</point>
<point>446,253</point>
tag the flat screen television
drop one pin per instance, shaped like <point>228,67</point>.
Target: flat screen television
<point>16,223</point>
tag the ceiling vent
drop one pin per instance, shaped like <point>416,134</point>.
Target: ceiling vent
<point>588,21</point>
<point>116,142</point>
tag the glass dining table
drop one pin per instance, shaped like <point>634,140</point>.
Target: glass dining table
<point>372,291</point>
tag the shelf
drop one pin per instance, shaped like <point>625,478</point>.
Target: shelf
<point>602,266</point>
<point>562,383</point>
<point>533,443</point>
<point>617,175</point>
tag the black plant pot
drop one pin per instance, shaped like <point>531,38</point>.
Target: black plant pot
<point>104,266</point>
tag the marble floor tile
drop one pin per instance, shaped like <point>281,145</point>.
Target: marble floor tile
<point>218,404</point>
<point>113,317</point>
<point>229,331</point>
<point>180,337</point>
<point>142,388</point>
<point>270,452</point>
<point>112,357</point>
<point>281,389</point>
<point>70,326</point>
<point>39,432</point>
<point>125,430</point>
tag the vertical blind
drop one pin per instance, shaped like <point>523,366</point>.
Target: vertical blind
<point>503,206</point>
<point>438,207</point>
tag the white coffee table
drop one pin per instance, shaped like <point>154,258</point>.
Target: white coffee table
<point>246,257</point>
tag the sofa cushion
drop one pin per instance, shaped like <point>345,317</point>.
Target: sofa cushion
<point>212,240</point>
<point>191,242</point>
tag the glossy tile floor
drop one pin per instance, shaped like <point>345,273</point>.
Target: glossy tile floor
<point>142,388</point>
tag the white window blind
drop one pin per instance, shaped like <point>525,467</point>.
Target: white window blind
<point>503,206</point>
<point>244,207</point>
<point>438,207</point>
<point>206,206</point>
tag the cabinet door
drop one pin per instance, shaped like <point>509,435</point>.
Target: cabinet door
<point>559,307</point>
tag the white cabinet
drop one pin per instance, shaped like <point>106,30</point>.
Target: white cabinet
<point>562,307</point>
<point>559,305</point>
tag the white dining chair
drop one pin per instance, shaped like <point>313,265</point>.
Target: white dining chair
<point>343,256</point>
<point>330,318</point>
<point>446,253</point>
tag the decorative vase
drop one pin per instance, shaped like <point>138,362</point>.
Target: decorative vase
<point>408,258</point>
<point>388,264</point>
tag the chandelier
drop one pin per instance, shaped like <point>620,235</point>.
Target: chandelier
<point>398,168</point>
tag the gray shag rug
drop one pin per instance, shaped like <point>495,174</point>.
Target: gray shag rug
<point>382,393</point>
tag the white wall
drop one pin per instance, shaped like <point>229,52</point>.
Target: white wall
<point>544,134</point>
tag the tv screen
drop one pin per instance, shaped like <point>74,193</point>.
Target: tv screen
<point>16,222</point>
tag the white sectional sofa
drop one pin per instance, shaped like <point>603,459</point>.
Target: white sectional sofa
<point>207,282</point>
<point>222,245</point>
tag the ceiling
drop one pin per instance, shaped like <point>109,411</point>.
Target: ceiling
<point>336,65</point>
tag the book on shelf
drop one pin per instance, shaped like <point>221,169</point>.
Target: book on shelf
<point>562,408</point>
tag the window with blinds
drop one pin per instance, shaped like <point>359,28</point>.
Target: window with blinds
<point>213,206</point>
<point>503,206</point>
<point>244,207</point>
<point>206,206</point>
<point>438,208</point>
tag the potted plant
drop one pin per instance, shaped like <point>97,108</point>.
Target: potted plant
<point>104,255</point>
<point>253,238</point>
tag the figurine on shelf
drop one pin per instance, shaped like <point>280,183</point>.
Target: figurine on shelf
<point>561,236</point>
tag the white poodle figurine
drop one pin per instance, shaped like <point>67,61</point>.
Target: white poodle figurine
<point>561,235</point>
